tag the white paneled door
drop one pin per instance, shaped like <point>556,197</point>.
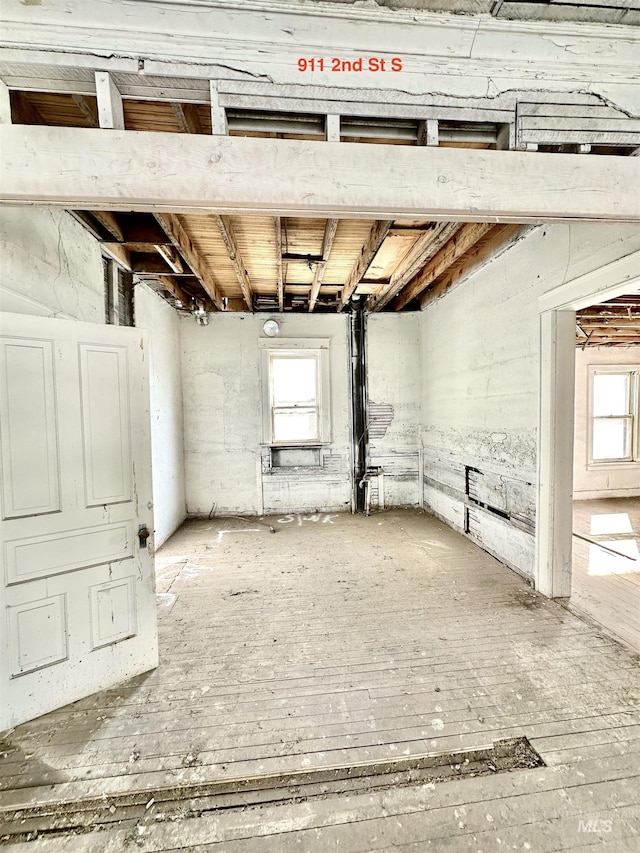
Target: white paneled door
<point>77,612</point>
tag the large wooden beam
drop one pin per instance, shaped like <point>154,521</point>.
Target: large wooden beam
<point>486,248</point>
<point>368,251</point>
<point>226,232</point>
<point>424,249</point>
<point>90,169</point>
<point>171,226</point>
<point>330,229</point>
<point>466,237</point>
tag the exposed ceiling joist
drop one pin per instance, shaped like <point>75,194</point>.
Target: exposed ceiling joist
<point>171,256</point>
<point>423,250</point>
<point>110,223</point>
<point>484,250</point>
<point>330,229</point>
<point>170,224</point>
<point>226,232</point>
<point>167,284</point>
<point>368,252</point>
<point>119,253</point>
<point>466,237</point>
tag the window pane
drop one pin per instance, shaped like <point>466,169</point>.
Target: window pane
<point>294,381</point>
<point>611,438</point>
<point>610,394</point>
<point>295,425</point>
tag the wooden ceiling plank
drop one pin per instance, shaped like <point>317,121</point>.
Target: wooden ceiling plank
<point>368,251</point>
<point>170,224</point>
<point>486,248</point>
<point>87,109</point>
<point>330,229</point>
<point>463,240</point>
<point>424,249</point>
<point>280,282</point>
<point>225,227</point>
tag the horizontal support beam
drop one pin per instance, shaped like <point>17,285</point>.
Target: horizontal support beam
<point>94,169</point>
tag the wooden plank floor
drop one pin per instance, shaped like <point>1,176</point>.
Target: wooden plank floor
<point>605,586</point>
<point>338,640</point>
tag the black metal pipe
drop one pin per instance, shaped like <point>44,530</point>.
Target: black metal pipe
<point>358,353</point>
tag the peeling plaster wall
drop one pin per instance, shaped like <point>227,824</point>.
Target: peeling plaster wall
<point>226,466</point>
<point>393,382</point>
<point>51,266</point>
<point>165,384</point>
<point>479,347</point>
<point>600,481</point>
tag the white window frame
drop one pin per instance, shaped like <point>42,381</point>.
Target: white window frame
<point>317,348</point>
<point>633,372</point>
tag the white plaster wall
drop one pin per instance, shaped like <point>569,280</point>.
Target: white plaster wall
<point>224,463</point>
<point>479,349</point>
<point>393,378</point>
<point>600,481</point>
<point>167,436</point>
<point>51,266</point>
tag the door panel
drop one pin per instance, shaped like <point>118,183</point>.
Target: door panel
<point>30,467</point>
<point>77,607</point>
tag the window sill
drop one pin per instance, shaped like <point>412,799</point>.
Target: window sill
<point>623,463</point>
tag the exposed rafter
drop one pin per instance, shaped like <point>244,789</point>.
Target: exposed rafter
<point>486,248</point>
<point>330,229</point>
<point>466,237</point>
<point>226,232</point>
<point>368,252</point>
<point>170,224</point>
<point>423,250</point>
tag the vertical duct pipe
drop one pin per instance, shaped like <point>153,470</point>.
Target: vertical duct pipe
<point>357,340</point>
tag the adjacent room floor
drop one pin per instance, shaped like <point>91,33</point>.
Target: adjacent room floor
<point>335,641</point>
<point>605,578</point>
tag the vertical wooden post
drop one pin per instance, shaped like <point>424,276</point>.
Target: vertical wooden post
<point>218,114</point>
<point>5,104</point>
<point>555,453</point>
<point>110,110</point>
<point>428,132</point>
<point>332,128</point>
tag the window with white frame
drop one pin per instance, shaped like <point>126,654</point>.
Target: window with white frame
<point>295,393</point>
<point>614,420</point>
